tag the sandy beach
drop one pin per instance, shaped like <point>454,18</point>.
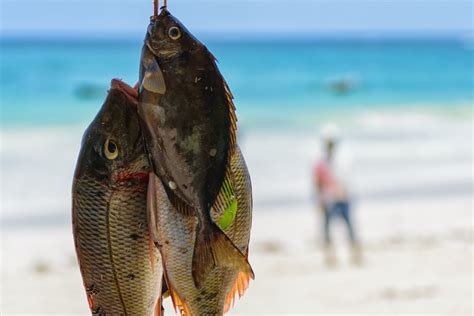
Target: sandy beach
<point>412,178</point>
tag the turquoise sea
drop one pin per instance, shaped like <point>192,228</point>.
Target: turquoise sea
<point>63,82</point>
<point>407,148</point>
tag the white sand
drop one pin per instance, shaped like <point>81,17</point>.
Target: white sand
<point>413,182</point>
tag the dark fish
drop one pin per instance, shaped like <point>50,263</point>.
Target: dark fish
<point>190,130</point>
<point>121,268</point>
<point>175,234</point>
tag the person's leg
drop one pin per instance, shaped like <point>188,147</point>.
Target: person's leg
<point>327,236</point>
<point>328,249</point>
<point>344,208</point>
<point>356,255</point>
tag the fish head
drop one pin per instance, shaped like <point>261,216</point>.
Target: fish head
<point>168,38</point>
<point>112,148</point>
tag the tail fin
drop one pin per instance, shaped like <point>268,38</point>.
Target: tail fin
<point>213,248</point>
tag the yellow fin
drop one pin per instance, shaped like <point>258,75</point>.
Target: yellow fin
<point>178,304</point>
<point>240,286</point>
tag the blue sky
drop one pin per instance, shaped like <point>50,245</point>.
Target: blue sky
<point>290,17</point>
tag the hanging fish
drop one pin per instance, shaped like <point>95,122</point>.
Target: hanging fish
<point>175,232</point>
<point>189,122</point>
<point>121,268</point>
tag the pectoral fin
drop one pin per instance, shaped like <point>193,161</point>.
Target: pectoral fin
<point>153,79</point>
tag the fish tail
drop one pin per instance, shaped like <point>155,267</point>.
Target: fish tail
<point>213,248</point>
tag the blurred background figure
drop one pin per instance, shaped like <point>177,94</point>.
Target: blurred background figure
<point>332,181</point>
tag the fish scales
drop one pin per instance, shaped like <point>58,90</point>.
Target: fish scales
<point>239,230</point>
<point>113,239</point>
<point>121,269</point>
<point>116,272</point>
<point>176,237</point>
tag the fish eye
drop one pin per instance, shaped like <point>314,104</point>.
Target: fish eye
<point>174,32</point>
<point>110,149</point>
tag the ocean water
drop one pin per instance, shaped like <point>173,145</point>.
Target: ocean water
<point>407,118</point>
<point>63,82</point>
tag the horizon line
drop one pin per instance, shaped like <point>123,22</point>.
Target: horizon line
<point>461,35</point>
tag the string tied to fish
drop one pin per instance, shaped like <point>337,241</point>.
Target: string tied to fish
<point>156,4</point>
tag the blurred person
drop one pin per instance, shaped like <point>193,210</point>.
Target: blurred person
<point>332,178</point>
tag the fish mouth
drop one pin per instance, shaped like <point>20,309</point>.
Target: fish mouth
<point>130,93</point>
<point>162,52</point>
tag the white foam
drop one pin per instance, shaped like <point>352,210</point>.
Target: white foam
<point>391,152</point>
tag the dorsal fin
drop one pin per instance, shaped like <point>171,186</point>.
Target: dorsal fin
<point>233,120</point>
<point>232,114</point>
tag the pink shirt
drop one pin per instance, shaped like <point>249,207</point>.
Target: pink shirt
<point>331,189</point>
